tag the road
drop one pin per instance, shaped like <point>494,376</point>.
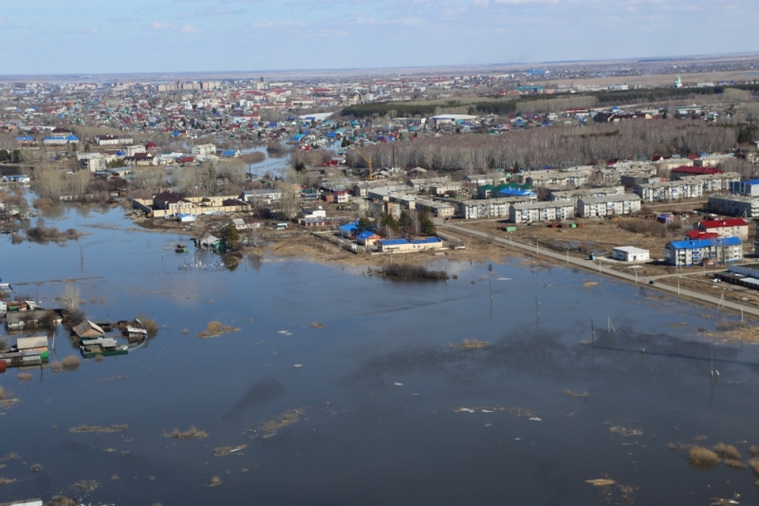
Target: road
<point>601,269</point>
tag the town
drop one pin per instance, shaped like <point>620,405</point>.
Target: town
<point>376,165</point>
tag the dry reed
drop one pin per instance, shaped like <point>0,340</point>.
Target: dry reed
<point>702,457</point>
<point>81,429</point>
<point>470,343</point>
<point>191,433</point>
<point>70,363</point>
<point>215,329</point>
<point>727,451</point>
<point>754,465</point>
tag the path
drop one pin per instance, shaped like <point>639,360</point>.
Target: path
<point>601,269</point>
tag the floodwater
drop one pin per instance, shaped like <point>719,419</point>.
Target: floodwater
<point>381,408</point>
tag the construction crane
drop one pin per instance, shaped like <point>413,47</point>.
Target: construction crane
<point>368,162</point>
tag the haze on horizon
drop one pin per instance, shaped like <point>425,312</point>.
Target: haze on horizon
<point>136,36</point>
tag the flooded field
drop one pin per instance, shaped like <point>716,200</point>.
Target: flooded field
<point>290,382</point>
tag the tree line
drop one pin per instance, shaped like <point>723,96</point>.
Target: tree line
<point>556,146</point>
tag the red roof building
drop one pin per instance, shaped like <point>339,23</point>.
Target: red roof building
<point>731,227</point>
<point>693,171</point>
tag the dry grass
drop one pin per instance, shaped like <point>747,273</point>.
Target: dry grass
<point>601,482</point>
<point>6,481</point>
<point>570,393</point>
<point>270,428</point>
<point>25,376</point>
<point>191,433</point>
<point>36,468</point>
<point>80,429</point>
<point>754,450</point>
<point>11,456</point>
<point>316,325</point>
<point>148,324</point>
<point>61,500</point>
<point>702,457</point>
<point>727,451</point>
<point>70,363</point>
<point>470,343</point>
<point>216,481</point>
<point>222,451</point>
<point>215,329</point>
<point>754,465</point>
<point>3,393</point>
<point>625,431</point>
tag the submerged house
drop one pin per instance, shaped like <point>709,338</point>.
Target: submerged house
<point>88,330</point>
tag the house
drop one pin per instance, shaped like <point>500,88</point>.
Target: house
<point>209,241</point>
<point>529,212</point>
<point>312,217</point>
<point>203,150</point>
<point>630,254</point>
<point>609,205</point>
<point>368,238</point>
<point>731,227</point>
<point>172,202</point>
<point>16,320</point>
<point>700,251</point>
<point>88,330</point>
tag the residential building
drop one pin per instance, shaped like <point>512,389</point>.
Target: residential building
<point>735,227</point>
<point>530,212</point>
<point>487,208</point>
<point>608,205</point>
<point>734,205</point>
<point>700,251</point>
<point>669,190</point>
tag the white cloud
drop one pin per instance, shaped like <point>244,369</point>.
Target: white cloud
<point>159,25</point>
<point>189,29</point>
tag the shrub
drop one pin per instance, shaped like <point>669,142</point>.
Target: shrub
<point>754,465</point>
<point>407,272</point>
<point>702,457</point>
<point>70,363</point>
<point>725,450</point>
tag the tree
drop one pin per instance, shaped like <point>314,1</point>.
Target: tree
<point>364,224</point>
<point>427,225</point>
<point>289,200</point>
<point>230,235</point>
<point>70,298</point>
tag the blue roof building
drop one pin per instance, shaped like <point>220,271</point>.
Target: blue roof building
<point>703,251</point>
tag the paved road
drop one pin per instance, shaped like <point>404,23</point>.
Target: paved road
<point>601,269</point>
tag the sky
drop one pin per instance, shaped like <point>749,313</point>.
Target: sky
<point>115,36</point>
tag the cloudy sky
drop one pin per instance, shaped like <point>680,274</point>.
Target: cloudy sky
<point>85,36</point>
